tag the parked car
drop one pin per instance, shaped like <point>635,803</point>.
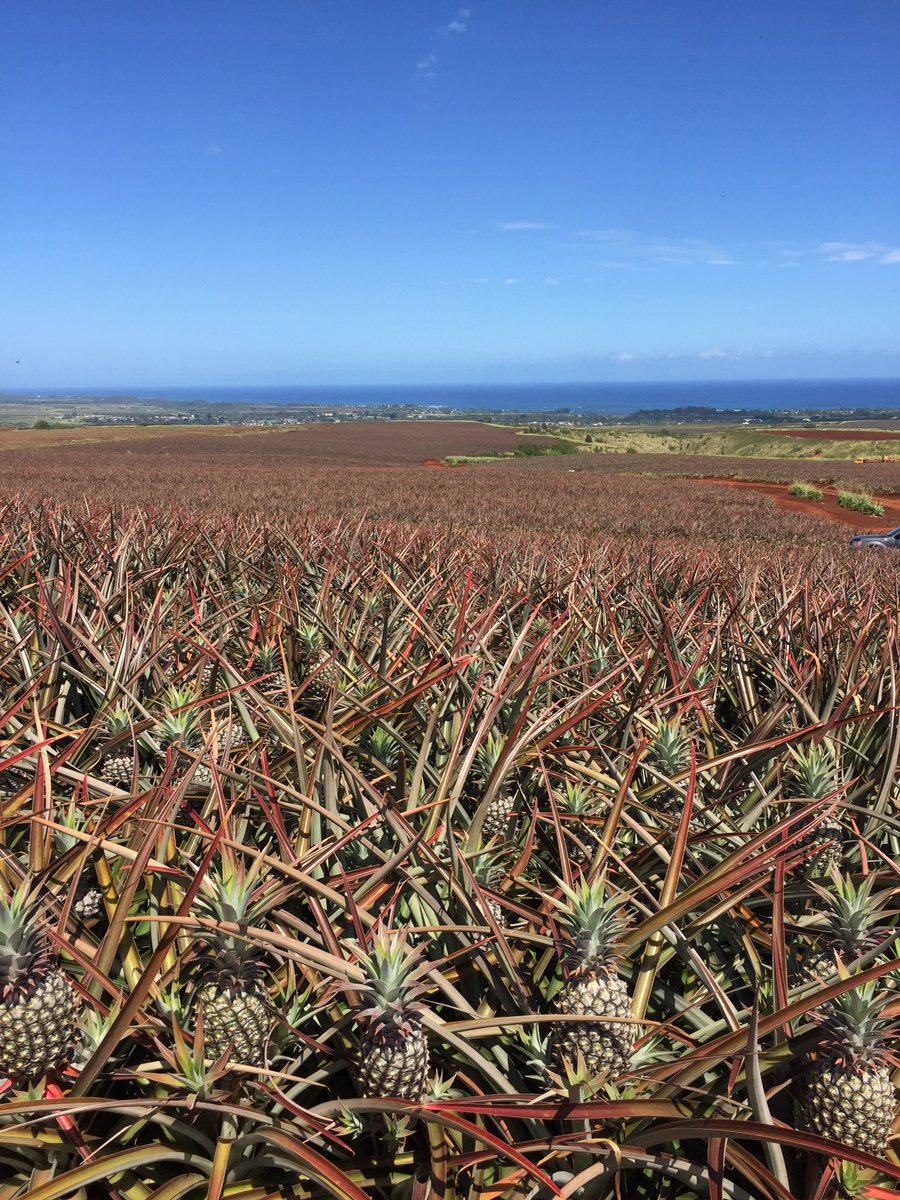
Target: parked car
<point>877,541</point>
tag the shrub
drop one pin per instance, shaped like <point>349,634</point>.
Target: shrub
<point>805,491</point>
<point>860,502</point>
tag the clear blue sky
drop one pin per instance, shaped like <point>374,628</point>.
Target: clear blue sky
<point>307,191</point>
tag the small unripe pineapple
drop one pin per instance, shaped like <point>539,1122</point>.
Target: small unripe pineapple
<point>118,764</point>
<point>317,670</point>
<point>669,754</point>
<point>814,778</point>
<point>268,662</point>
<point>501,816</point>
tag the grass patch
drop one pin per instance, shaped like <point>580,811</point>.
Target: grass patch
<point>805,491</point>
<point>860,502</point>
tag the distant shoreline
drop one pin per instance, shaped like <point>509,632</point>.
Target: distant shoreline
<point>831,399</point>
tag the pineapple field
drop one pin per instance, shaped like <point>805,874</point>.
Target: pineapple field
<point>352,856</point>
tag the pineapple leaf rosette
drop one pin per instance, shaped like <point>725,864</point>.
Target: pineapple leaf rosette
<point>393,1050</point>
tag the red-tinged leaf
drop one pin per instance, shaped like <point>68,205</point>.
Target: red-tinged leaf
<point>755,1132</point>
<point>330,1176</point>
<point>64,1186</point>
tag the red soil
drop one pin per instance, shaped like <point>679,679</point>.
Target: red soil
<point>835,435</point>
<point>828,507</point>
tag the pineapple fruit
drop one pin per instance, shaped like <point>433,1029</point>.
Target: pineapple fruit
<point>594,923</point>
<point>850,931</point>
<point>231,993</point>
<point>38,1019</point>
<point>849,1095</point>
<point>317,672</point>
<point>179,731</point>
<point>118,764</point>
<point>393,1057</point>
<point>815,776</point>
<point>582,842</point>
<point>669,754</point>
<point>268,662</point>
<point>501,811</point>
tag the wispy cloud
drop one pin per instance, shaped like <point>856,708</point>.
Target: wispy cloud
<point>212,151</point>
<point>551,281</point>
<point>850,252</point>
<point>639,247</point>
<point>458,24</point>
<point>520,226</point>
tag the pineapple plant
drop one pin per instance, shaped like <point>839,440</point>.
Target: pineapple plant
<point>180,731</point>
<point>393,1054</point>
<point>501,811</point>
<point>38,1018</point>
<point>669,754</point>
<point>849,1094</point>
<point>268,662</point>
<point>230,992</point>
<point>380,748</point>
<point>850,931</point>
<point>87,902</point>
<point>594,923</point>
<point>582,842</point>
<point>489,874</point>
<point>118,763</point>
<point>317,672</point>
<point>815,777</point>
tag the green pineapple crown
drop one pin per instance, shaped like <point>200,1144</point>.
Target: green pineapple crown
<point>24,956</point>
<point>487,756</point>
<point>118,721</point>
<point>393,973</point>
<point>178,729</point>
<point>229,894</point>
<point>852,916</point>
<point>268,659</point>
<point>380,743</point>
<point>815,772</point>
<point>595,922</point>
<point>310,639</point>
<point>855,1027</point>
<point>576,800</point>
<point>669,750</point>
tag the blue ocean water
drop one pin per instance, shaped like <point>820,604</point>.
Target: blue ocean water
<point>537,398</point>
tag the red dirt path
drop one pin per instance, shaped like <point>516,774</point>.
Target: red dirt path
<point>835,435</point>
<point>828,507</point>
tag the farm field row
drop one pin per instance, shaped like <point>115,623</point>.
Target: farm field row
<point>287,475</point>
<point>375,854</point>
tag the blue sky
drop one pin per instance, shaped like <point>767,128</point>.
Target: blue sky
<point>309,191</point>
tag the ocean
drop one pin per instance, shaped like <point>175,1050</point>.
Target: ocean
<point>598,398</point>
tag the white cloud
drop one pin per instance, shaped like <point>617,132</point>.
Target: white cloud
<point>641,248</point>
<point>213,150</point>
<point>510,281</point>
<point>458,24</point>
<point>849,252</point>
<point>520,226</point>
<point>625,356</point>
<point>426,65</point>
<point>551,281</point>
<point>715,352</point>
